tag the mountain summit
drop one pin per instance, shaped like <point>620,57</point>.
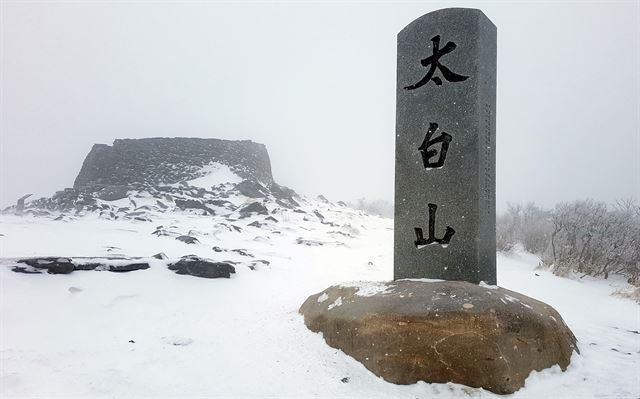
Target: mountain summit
<point>151,162</point>
<point>183,173</point>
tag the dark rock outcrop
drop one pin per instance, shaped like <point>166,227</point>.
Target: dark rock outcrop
<point>112,193</point>
<point>199,267</point>
<point>188,239</point>
<point>439,332</point>
<point>61,265</point>
<point>53,265</point>
<point>252,189</point>
<point>193,204</point>
<point>67,199</point>
<point>157,161</point>
<point>162,168</point>
<point>253,208</point>
<point>129,267</point>
<point>284,196</point>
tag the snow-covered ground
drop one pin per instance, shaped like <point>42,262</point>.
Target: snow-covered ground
<point>153,333</point>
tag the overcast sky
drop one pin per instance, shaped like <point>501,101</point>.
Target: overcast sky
<point>315,82</point>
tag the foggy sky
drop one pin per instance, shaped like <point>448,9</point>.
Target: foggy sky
<point>314,82</point>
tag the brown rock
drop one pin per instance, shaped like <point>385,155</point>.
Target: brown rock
<point>408,331</point>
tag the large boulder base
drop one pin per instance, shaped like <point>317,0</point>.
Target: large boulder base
<point>447,331</point>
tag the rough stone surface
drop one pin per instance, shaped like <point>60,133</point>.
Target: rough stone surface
<point>112,193</point>
<point>199,267</point>
<point>252,189</point>
<point>63,265</point>
<point>154,161</point>
<point>128,268</point>
<point>459,178</point>
<point>253,208</point>
<point>193,204</point>
<point>450,331</point>
<point>188,239</point>
<point>53,265</point>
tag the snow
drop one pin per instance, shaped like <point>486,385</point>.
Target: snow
<point>488,286</point>
<point>214,174</point>
<point>337,302</point>
<point>367,288</point>
<point>69,335</point>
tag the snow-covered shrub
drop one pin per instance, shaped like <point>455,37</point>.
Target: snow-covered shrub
<point>528,225</point>
<point>586,237</point>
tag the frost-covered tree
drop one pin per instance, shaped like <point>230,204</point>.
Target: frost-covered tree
<point>587,237</point>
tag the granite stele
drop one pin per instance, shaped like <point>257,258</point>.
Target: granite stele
<point>445,148</point>
<point>435,322</point>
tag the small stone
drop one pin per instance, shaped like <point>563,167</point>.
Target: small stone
<point>199,267</point>
<point>242,252</point>
<point>188,239</point>
<point>160,255</point>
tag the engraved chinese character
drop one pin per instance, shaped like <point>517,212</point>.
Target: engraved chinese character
<point>427,153</point>
<point>421,242</point>
<point>433,62</point>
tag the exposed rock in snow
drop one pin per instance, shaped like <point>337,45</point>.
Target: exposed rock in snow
<point>199,267</point>
<point>193,204</point>
<point>317,243</point>
<point>53,265</point>
<point>62,265</point>
<point>188,239</point>
<point>251,189</point>
<point>253,208</point>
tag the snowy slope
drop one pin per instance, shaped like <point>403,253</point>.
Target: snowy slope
<point>69,335</point>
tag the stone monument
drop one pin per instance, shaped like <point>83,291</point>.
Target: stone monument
<point>455,330</point>
<point>445,148</point>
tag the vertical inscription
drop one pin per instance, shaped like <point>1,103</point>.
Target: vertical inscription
<point>487,181</point>
<point>427,153</point>
<point>426,150</point>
